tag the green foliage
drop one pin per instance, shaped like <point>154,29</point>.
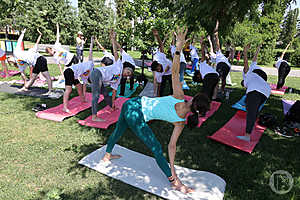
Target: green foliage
<point>96,19</point>
<point>295,57</point>
<point>289,28</point>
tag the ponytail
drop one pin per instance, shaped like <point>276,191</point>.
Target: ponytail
<point>200,105</point>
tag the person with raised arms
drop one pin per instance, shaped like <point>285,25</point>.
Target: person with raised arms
<point>22,59</point>
<point>209,75</point>
<point>283,68</point>
<point>72,74</point>
<point>258,91</point>
<point>61,55</point>
<point>223,65</point>
<point>161,68</point>
<point>109,75</point>
<point>137,111</point>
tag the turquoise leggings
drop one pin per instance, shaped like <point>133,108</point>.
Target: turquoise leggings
<point>131,116</point>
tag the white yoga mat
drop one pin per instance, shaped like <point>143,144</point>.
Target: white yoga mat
<point>142,171</point>
<point>148,91</point>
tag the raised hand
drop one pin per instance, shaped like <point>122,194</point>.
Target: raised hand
<point>39,32</point>
<point>180,37</point>
<point>24,30</point>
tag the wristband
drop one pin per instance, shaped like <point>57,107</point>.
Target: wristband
<point>177,52</point>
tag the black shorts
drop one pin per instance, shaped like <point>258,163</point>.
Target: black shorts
<point>223,70</point>
<point>69,77</point>
<point>209,83</point>
<point>40,65</point>
<point>73,61</point>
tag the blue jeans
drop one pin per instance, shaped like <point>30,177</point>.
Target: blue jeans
<point>181,72</point>
<point>195,64</point>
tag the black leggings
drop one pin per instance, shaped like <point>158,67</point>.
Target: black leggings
<point>209,83</point>
<point>164,80</point>
<point>73,61</point>
<point>283,71</point>
<point>254,100</point>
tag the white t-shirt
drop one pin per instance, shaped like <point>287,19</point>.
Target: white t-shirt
<point>127,58</point>
<point>109,55</point>
<point>173,50</point>
<point>80,43</point>
<point>279,61</point>
<point>221,58</point>
<point>206,69</point>
<point>165,64</point>
<point>61,55</point>
<point>254,82</point>
<point>112,74</point>
<point>213,57</point>
<point>83,70</point>
<point>2,53</point>
<point>25,58</point>
<point>193,52</point>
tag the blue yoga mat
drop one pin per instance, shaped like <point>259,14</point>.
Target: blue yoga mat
<point>127,92</point>
<point>241,104</point>
<point>185,86</point>
<point>189,72</point>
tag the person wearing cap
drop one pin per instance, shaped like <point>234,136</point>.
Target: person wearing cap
<point>80,41</point>
<point>22,59</point>
<point>60,54</point>
<point>109,75</point>
<point>161,68</point>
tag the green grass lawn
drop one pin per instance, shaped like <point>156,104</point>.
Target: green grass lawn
<point>39,158</point>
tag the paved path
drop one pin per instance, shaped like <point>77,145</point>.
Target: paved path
<point>268,70</point>
<point>235,68</point>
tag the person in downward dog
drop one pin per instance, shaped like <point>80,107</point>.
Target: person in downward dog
<point>137,111</point>
<point>258,91</point>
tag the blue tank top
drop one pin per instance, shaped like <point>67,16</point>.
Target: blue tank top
<point>161,108</point>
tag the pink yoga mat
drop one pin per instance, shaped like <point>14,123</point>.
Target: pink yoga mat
<point>75,106</point>
<point>281,91</point>
<point>189,66</point>
<point>287,104</point>
<point>237,126</point>
<point>110,117</point>
<point>214,106</point>
<point>10,73</point>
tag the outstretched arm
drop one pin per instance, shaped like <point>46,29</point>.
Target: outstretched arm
<point>112,37</point>
<point>286,48</point>
<point>57,33</point>
<point>217,36</point>
<point>202,49</point>
<point>246,66</point>
<point>161,45</point>
<point>20,40</point>
<point>210,44</point>
<point>99,45</point>
<point>256,53</point>
<point>39,38</point>
<point>91,49</point>
<point>180,41</point>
